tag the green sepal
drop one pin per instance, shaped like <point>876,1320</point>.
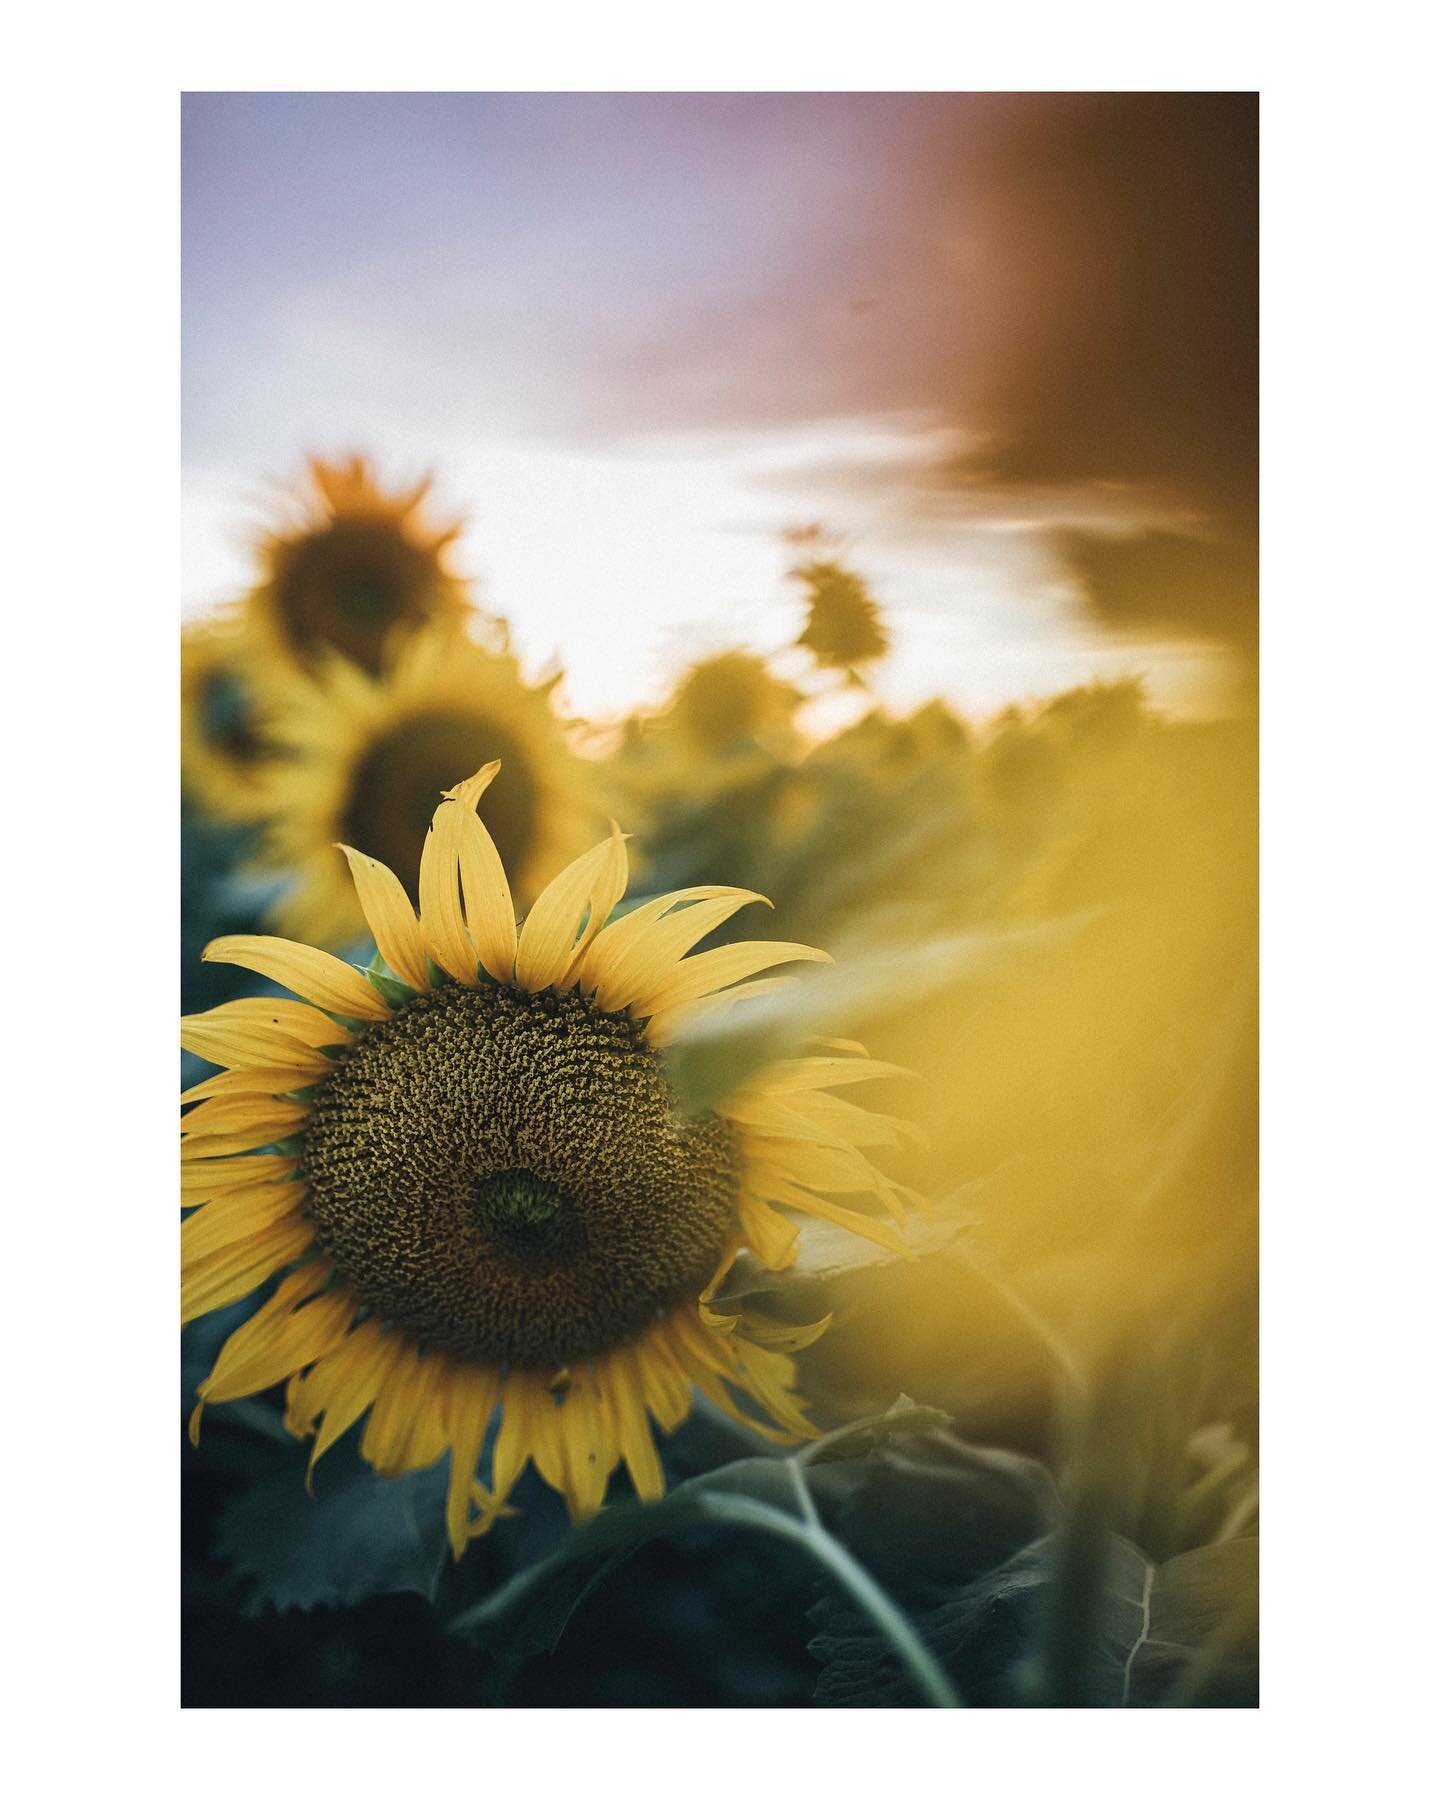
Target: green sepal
<point>391,990</point>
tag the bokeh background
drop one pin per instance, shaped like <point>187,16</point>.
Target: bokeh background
<point>863,488</point>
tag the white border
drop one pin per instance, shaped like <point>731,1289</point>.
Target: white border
<point>1349,479</point>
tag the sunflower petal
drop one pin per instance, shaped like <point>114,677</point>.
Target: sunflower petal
<point>235,1271</point>
<point>670,1022</point>
<point>200,1180</point>
<point>714,969</point>
<point>282,1337</point>
<point>315,975</point>
<point>468,1402</point>
<point>239,1042</point>
<point>607,893</point>
<point>547,945</point>
<point>604,952</point>
<point>655,951</point>
<point>240,1112</point>
<point>442,916</point>
<point>337,1389</point>
<point>202,1148</point>
<point>274,1082</point>
<point>625,1393</point>
<point>390,916</point>
<point>773,1239</point>
<point>227,1221</point>
<point>404,1432</point>
<point>489,907</point>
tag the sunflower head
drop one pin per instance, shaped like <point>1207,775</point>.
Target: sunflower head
<point>470,1169</point>
<point>355,568</point>
<point>366,757</point>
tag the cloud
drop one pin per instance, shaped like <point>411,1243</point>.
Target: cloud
<point>1064,286</point>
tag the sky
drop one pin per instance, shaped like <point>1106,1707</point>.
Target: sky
<point>1002,346</point>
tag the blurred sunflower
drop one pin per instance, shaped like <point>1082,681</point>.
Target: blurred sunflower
<point>353,569</point>
<point>474,1171</point>
<point>366,756</point>
<point>843,627</point>
<point>733,700</point>
<point>223,750</point>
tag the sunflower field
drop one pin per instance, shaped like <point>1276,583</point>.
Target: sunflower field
<point>704,1209</point>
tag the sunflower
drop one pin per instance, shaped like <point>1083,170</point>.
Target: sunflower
<point>733,700</point>
<point>843,626</point>
<point>366,757</point>
<point>471,1175</point>
<point>353,569</point>
<point>223,749</point>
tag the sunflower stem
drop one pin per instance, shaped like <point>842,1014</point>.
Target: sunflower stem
<point>872,1599</point>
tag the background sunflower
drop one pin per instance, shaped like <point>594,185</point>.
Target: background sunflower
<point>352,567</point>
<point>363,756</point>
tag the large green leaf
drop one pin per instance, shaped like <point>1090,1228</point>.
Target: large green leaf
<point>360,1536</point>
<point>527,1615</point>
<point>1184,1630</point>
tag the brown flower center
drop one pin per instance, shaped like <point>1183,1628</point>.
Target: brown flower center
<point>504,1176</point>
<point>397,785</point>
<point>346,588</point>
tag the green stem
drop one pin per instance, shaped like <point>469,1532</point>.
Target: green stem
<point>887,1618</point>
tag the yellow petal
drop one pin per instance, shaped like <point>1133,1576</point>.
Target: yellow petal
<point>625,1392</point>
<point>241,1042</point>
<point>235,1217</point>
<point>787,1338</point>
<point>404,1430</point>
<point>282,1337</point>
<point>803,1072</point>
<point>523,1397</point>
<point>763,1117</point>
<point>471,1393</point>
<point>275,1082</point>
<point>199,1180</point>
<point>656,950</point>
<point>232,1143</point>
<point>489,908</point>
<point>773,1239</point>
<point>233,1272</point>
<point>608,891</point>
<point>604,952</point>
<point>862,1224</point>
<point>587,1446</point>
<point>666,1385</point>
<point>442,915</point>
<point>547,947</point>
<point>340,1387</point>
<point>391,918</point>
<point>313,974</point>
<point>240,1112</point>
<point>713,969</point>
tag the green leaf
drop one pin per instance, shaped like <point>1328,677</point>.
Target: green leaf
<point>360,1536</point>
<point>527,1615</point>
<point>1157,1626</point>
